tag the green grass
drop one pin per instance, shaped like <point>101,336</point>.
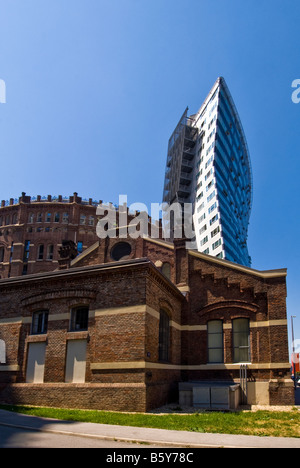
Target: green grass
<point>260,423</point>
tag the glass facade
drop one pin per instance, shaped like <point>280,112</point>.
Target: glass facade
<point>208,165</point>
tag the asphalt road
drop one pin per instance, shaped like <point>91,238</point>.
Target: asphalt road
<point>11,437</point>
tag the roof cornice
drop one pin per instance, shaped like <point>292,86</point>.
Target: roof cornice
<point>266,274</point>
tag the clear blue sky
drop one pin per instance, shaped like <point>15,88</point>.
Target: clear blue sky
<point>95,88</point>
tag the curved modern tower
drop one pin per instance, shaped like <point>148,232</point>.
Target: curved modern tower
<point>208,165</point>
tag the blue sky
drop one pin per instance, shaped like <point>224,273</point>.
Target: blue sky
<point>95,89</point>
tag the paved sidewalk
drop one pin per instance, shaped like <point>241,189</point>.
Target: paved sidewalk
<point>160,437</point>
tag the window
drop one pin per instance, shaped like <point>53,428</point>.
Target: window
<point>82,219</point>
<point>48,218</point>
<point>65,218</point>
<point>216,244</point>
<point>199,196</point>
<point>215,231</point>
<point>50,250</point>
<point>56,218</point>
<point>30,218</point>
<point>214,219</point>
<point>199,186</point>
<point>15,219</point>
<point>210,185</point>
<point>1,254</point>
<point>203,229</point>
<point>215,341</point>
<point>203,241</point>
<point>120,251</point>
<point>39,322</point>
<point>79,319</point>
<point>212,207</point>
<point>26,251</point>
<point>7,220</point>
<point>1,220</point>
<point>166,270</point>
<point>202,218</point>
<point>39,218</point>
<point>211,196</point>
<point>91,221</point>
<point>11,252</point>
<point>164,336</point>
<point>200,208</point>
<point>41,252</point>
<point>208,174</point>
<point>241,340</point>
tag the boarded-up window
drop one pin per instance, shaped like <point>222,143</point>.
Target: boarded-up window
<point>2,352</point>
<point>76,361</point>
<point>36,363</point>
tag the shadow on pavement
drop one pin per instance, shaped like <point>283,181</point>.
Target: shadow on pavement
<point>20,422</point>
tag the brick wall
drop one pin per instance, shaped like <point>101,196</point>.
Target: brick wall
<point>28,220</point>
<point>125,299</point>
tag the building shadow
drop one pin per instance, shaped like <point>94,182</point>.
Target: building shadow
<point>13,425</point>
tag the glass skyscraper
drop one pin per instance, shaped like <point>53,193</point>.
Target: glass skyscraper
<point>208,165</point>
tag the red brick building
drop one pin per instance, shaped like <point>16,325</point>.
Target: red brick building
<point>32,231</point>
<point>131,325</point>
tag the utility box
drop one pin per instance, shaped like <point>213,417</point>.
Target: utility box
<point>210,395</point>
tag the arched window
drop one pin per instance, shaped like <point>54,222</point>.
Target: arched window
<point>30,218</point>
<point>215,341</point>
<point>164,336</point>
<point>241,340</point>
<point>120,251</point>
